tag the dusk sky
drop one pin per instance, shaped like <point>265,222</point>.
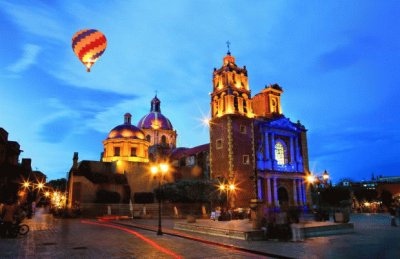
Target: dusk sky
<point>337,61</point>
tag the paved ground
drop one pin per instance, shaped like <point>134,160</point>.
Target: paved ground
<point>78,238</point>
<point>63,238</point>
<point>373,237</point>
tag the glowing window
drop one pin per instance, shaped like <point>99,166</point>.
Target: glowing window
<point>246,159</point>
<point>219,143</point>
<point>280,153</point>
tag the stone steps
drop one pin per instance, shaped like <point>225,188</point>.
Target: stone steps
<point>215,231</point>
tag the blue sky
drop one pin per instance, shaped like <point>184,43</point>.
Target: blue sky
<point>337,61</point>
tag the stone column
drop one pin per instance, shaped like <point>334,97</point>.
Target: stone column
<point>300,188</point>
<point>291,151</point>
<point>276,200</point>
<point>269,193</point>
<point>297,148</point>
<point>260,189</point>
<point>295,192</point>
<point>303,192</point>
<point>273,146</point>
<point>273,161</point>
<point>267,147</point>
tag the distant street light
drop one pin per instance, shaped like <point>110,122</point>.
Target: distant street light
<point>26,184</point>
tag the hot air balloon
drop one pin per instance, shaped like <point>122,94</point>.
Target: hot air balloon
<point>88,45</point>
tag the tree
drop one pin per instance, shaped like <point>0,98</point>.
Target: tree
<point>386,198</point>
<point>187,191</point>
<point>334,196</point>
<point>363,194</point>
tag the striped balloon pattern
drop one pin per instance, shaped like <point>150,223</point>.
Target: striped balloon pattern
<point>88,45</point>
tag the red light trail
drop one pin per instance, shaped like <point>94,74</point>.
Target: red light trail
<point>147,240</point>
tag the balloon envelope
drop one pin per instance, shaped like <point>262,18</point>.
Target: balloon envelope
<point>88,45</point>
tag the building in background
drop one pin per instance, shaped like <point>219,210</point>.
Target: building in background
<point>12,172</point>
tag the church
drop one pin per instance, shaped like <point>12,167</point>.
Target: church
<point>252,147</point>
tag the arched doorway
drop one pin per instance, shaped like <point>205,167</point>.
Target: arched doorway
<point>283,197</point>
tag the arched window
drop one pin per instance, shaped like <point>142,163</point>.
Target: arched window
<point>280,153</point>
<point>148,138</point>
<point>163,140</point>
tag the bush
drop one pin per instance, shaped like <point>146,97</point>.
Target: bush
<point>104,196</point>
<point>187,191</point>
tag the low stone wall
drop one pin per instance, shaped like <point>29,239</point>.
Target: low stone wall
<point>141,210</point>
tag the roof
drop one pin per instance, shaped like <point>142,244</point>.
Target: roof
<point>155,120</point>
<point>126,131</point>
<point>185,152</point>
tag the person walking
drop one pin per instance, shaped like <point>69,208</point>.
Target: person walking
<point>33,207</point>
<point>392,211</point>
<point>8,211</point>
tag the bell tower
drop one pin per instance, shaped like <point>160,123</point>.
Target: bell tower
<point>232,131</point>
<point>267,103</point>
<point>231,94</point>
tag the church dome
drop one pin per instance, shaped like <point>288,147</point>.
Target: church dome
<point>154,119</point>
<point>126,130</point>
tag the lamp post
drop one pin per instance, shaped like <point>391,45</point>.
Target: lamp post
<point>320,182</point>
<point>227,187</point>
<point>159,170</point>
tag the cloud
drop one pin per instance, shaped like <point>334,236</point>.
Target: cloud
<point>38,19</point>
<point>341,140</point>
<point>29,57</point>
<point>347,54</point>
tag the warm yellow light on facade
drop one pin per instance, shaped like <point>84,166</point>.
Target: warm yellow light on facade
<point>156,124</point>
<point>221,187</point>
<point>250,115</point>
<point>232,187</point>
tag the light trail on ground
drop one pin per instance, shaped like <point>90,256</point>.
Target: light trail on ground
<point>145,239</point>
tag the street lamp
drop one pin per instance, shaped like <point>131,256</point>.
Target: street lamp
<point>227,187</point>
<point>26,184</point>
<point>318,182</point>
<point>325,177</point>
<point>159,170</point>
